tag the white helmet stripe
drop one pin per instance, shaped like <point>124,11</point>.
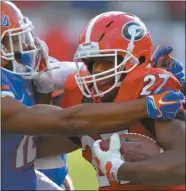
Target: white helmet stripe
<point>90,27</point>
<point>93,21</point>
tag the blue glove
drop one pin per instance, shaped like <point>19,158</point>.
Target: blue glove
<point>164,105</point>
<point>162,59</point>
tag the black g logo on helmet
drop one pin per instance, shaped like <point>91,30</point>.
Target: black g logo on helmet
<point>133,26</point>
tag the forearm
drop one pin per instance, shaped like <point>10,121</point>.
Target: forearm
<point>42,98</point>
<point>78,120</point>
<point>107,117</point>
<point>88,118</point>
<point>162,170</point>
<point>167,168</point>
<point>55,145</point>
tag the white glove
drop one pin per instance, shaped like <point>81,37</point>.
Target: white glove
<point>43,82</point>
<point>43,47</point>
<point>109,161</point>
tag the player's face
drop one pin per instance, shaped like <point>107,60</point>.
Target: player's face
<point>19,43</point>
<point>102,64</point>
<point>16,45</point>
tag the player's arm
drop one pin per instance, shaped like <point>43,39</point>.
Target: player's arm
<point>49,146</point>
<point>165,169</point>
<point>42,98</point>
<point>81,119</point>
<point>149,171</point>
<point>56,145</point>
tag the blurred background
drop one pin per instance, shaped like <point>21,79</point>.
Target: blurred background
<point>60,23</point>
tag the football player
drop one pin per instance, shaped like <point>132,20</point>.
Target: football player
<point>59,175</point>
<point>22,66</point>
<point>117,49</point>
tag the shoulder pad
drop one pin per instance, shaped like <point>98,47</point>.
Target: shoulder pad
<point>72,93</point>
<point>144,82</point>
<point>138,77</point>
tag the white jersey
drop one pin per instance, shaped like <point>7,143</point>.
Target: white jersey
<point>63,69</point>
<point>54,79</point>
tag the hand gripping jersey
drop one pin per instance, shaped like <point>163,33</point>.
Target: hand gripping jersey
<point>17,150</point>
<point>139,83</point>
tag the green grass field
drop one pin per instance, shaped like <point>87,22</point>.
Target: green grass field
<point>82,173</point>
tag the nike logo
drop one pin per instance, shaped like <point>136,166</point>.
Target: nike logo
<point>167,102</point>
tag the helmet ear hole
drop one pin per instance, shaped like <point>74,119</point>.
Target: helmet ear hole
<point>141,60</point>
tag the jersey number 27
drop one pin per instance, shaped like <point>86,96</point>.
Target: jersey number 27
<point>152,79</point>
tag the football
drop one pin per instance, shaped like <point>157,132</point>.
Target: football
<point>135,147</point>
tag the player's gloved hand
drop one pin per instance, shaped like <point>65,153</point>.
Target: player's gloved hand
<point>163,59</point>
<point>43,82</point>
<point>164,105</point>
<point>109,161</point>
<point>43,48</point>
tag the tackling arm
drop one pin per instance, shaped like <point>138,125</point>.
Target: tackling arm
<point>78,120</point>
<point>165,169</point>
<point>56,145</point>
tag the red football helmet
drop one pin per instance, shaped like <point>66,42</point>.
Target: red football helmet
<point>112,34</point>
<point>17,42</point>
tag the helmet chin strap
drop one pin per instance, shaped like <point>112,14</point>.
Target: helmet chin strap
<point>98,98</point>
<point>95,99</point>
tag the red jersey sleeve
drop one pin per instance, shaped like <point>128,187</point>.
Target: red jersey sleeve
<point>144,82</point>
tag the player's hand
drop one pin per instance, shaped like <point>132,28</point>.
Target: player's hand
<point>43,82</point>
<point>44,50</point>
<point>164,105</point>
<point>163,59</point>
<point>109,161</point>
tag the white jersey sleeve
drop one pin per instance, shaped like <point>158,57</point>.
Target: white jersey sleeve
<point>63,69</point>
<point>54,78</point>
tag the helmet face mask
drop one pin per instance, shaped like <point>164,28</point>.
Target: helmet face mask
<point>112,34</point>
<point>84,82</point>
<point>18,48</point>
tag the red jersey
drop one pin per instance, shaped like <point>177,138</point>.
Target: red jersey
<point>137,84</point>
